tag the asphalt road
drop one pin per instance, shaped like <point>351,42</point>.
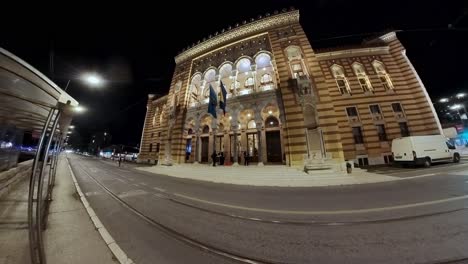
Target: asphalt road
<point>161,219</point>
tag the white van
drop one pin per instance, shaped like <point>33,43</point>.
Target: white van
<point>423,150</point>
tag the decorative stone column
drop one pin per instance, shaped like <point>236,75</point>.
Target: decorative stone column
<point>235,128</point>
<point>197,140</point>
<point>259,124</point>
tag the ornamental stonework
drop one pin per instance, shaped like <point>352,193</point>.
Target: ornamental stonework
<point>231,53</point>
<point>243,31</point>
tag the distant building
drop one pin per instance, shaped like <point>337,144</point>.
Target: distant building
<point>98,141</point>
<point>287,103</point>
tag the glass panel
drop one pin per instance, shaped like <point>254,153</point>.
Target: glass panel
<point>397,108</point>
<point>352,111</point>
<point>404,129</point>
<point>375,109</point>
<point>357,134</point>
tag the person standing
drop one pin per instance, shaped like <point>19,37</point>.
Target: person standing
<point>213,157</point>
<point>221,158</point>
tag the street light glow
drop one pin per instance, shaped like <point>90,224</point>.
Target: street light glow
<point>444,100</point>
<point>79,109</point>
<point>461,95</point>
<point>455,107</point>
<point>93,79</point>
<point>71,127</point>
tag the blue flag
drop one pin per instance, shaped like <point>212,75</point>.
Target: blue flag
<point>222,98</point>
<point>213,102</point>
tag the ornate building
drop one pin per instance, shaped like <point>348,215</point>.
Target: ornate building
<point>287,103</point>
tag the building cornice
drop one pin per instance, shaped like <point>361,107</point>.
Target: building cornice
<point>160,100</point>
<point>246,30</point>
<point>351,52</point>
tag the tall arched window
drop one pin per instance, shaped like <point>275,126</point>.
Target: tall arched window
<point>195,89</point>
<point>178,86</point>
<point>210,79</point>
<point>155,115</point>
<point>341,80</point>
<point>362,77</point>
<point>206,129</point>
<point>383,75</point>
<point>294,55</point>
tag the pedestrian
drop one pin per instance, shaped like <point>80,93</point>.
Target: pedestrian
<point>120,159</point>
<point>221,158</point>
<point>246,158</point>
<point>213,157</point>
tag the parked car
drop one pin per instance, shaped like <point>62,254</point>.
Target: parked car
<point>423,150</point>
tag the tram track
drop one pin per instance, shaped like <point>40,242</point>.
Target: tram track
<point>177,235</point>
<point>167,196</point>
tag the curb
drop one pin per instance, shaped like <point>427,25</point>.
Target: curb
<point>118,253</point>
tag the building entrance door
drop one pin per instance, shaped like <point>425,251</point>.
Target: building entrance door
<point>273,144</point>
<point>204,149</point>
<point>188,150</point>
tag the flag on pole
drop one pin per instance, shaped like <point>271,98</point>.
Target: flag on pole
<point>213,102</point>
<point>222,98</point>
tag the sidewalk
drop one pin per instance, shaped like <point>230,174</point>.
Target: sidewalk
<point>70,236</point>
<point>279,176</point>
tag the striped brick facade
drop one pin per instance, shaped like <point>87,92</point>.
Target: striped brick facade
<point>167,118</point>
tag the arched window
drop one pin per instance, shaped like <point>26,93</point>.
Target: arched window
<point>225,70</point>
<point>362,77</point>
<point>195,89</point>
<point>341,80</point>
<point>383,75</point>
<point>251,124</point>
<point>151,147</point>
<point>294,55</point>
<point>271,121</point>
<point>178,86</point>
<point>243,65</point>
<point>263,60</point>
<point>190,131</point>
<point>206,129</point>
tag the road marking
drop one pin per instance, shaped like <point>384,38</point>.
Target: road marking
<point>159,195</point>
<point>425,175</point>
<point>131,193</point>
<point>159,189</point>
<point>355,211</point>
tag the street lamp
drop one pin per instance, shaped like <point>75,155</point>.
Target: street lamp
<point>444,100</point>
<point>91,79</point>
<point>79,109</point>
<point>460,95</point>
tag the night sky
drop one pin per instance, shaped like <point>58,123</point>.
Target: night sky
<point>133,45</point>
